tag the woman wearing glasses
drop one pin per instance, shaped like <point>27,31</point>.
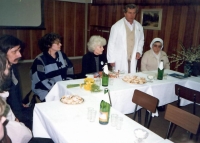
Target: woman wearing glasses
<point>152,57</point>
<point>50,66</point>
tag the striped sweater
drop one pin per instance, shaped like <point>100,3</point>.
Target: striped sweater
<point>46,71</point>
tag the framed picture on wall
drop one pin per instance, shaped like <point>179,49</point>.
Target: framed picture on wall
<point>151,19</point>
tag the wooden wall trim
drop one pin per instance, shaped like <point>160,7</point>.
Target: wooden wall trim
<point>146,2</point>
<point>179,24</point>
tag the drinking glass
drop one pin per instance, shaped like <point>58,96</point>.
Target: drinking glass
<point>114,119</point>
<point>140,134</point>
<point>119,123</point>
<point>97,81</point>
<point>165,76</point>
<point>89,112</point>
<point>111,81</point>
<point>93,115</point>
<point>150,78</point>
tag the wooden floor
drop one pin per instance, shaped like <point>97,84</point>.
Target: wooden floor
<point>159,126</point>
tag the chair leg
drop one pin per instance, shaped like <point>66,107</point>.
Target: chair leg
<point>194,108</point>
<point>149,117</point>
<point>146,118</point>
<point>135,112</point>
<point>190,136</point>
<point>198,134</point>
<point>139,116</point>
<point>178,103</point>
<point>172,129</point>
<point>169,130</point>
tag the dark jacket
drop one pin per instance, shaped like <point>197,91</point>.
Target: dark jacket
<point>15,97</point>
<point>89,64</point>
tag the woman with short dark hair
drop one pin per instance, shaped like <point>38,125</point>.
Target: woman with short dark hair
<point>50,66</point>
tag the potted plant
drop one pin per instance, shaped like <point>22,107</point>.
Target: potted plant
<point>190,57</point>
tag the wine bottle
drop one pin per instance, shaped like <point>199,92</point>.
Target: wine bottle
<point>160,70</point>
<point>104,113</point>
<point>105,76</point>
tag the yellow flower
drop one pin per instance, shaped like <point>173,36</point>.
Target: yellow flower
<point>87,86</point>
<point>91,80</point>
<point>90,85</point>
<point>87,83</point>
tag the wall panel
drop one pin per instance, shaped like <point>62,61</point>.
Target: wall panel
<point>196,33</point>
<point>64,18</point>
<point>79,30</point>
<point>180,22</point>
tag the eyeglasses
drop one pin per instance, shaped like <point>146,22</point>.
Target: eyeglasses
<point>56,42</point>
<point>159,46</point>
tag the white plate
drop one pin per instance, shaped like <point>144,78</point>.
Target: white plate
<point>136,80</point>
<point>72,99</point>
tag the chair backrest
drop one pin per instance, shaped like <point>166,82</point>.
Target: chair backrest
<point>145,100</point>
<point>182,118</point>
<point>187,93</point>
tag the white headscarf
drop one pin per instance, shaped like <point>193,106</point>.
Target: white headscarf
<point>156,40</point>
<point>151,45</point>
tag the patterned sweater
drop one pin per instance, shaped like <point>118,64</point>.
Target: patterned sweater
<point>46,71</point>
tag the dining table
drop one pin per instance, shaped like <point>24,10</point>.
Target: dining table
<point>65,123</point>
<point>121,92</point>
<point>69,124</point>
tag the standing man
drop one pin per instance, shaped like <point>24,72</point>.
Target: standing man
<point>11,46</point>
<point>126,41</point>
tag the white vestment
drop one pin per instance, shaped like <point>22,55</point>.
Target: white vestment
<point>117,46</point>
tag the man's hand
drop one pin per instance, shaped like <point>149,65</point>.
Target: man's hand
<point>137,55</point>
<point>112,64</point>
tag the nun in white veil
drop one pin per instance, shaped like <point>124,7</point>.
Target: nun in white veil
<point>152,57</point>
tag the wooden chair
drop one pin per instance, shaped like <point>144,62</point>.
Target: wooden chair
<point>182,119</point>
<point>147,102</point>
<point>189,94</point>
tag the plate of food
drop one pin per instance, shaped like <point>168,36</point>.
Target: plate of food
<point>72,99</point>
<point>133,79</point>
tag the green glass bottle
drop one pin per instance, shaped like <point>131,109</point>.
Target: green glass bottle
<point>105,76</point>
<point>160,70</point>
<point>104,113</point>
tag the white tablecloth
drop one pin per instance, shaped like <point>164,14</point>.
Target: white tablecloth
<point>193,83</point>
<point>122,92</point>
<point>68,124</point>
